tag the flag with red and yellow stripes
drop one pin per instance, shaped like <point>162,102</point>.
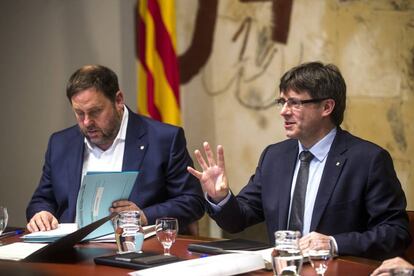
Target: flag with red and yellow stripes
<point>158,75</point>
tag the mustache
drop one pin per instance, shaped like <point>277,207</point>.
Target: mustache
<point>92,128</point>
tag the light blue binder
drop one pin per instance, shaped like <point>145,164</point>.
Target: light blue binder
<point>97,192</point>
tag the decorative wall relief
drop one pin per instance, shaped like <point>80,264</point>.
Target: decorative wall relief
<point>256,47</point>
<point>250,44</point>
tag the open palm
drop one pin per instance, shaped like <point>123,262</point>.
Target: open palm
<point>213,178</point>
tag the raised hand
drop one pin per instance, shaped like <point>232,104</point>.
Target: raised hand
<point>213,177</point>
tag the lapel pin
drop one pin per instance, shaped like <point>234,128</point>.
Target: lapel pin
<point>141,147</point>
<point>338,163</point>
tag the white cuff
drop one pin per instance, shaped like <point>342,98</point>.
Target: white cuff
<point>335,246</point>
<point>217,207</point>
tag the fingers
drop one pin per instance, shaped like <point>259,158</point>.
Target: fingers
<point>120,203</point>
<point>123,205</point>
<point>210,158</point>
<point>220,156</point>
<point>144,220</point>
<point>54,223</point>
<point>399,262</point>
<point>42,221</point>
<point>315,241</point>
<point>200,160</point>
<point>32,227</point>
<point>320,244</point>
<point>387,265</point>
<point>46,222</point>
<point>381,272</point>
<point>126,205</point>
<point>194,172</point>
<point>209,154</point>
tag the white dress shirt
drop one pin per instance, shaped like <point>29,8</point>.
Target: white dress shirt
<point>320,151</point>
<point>97,160</point>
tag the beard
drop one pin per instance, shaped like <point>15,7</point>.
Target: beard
<point>104,137</point>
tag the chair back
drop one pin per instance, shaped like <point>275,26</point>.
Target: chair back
<point>409,253</point>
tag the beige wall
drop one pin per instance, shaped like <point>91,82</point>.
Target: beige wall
<point>42,43</point>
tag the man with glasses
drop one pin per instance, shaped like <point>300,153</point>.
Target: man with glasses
<point>331,186</point>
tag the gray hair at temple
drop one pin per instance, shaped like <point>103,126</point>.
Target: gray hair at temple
<point>320,81</point>
<point>99,77</point>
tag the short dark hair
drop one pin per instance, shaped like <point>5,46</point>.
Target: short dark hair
<point>99,77</point>
<point>320,81</point>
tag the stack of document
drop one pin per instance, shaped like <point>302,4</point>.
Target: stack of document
<point>52,235</point>
<point>67,228</point>
<point>19,250</point>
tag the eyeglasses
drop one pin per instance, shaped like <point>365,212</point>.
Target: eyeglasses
<point>296,103</point>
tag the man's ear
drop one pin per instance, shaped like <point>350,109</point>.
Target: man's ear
<point>119,99</point>
<point>328,107</point>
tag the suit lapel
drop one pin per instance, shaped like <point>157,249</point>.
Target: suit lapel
<point>136,143</point>
<point>333,168</point>
<point>286,169</point>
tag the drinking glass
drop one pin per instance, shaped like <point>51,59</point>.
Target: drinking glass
<point>166,230</point>
<point>287,258</point>
<point>129,234</point>
<point>320,254</point>
<point>4,217</point>
<point>401,272</point>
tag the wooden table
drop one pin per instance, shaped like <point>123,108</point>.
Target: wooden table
<point>80,261</point>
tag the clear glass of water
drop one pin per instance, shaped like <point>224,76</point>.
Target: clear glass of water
<point>166,230</point>
<point>401,272</point>
<point>320,254</point>
<point>129,234</point>
<point>4,217</point>
<point>287,258</point>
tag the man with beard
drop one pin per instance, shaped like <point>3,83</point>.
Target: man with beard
<point>110,137</point>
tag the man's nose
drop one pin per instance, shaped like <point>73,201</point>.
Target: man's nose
<point>87,121</point>
<point>284,110</point>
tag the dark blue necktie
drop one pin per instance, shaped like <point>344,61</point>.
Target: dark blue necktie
<point>298,201</point>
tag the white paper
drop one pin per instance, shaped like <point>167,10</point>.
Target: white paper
<point>19,250</point>
<point>225,264</point>
<point>68,228</point>
<point>51,235</point>
<point>265,253</point>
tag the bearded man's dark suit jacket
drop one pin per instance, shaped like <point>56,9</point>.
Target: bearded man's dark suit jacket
<point>158,151</point>
<point>360,201</point>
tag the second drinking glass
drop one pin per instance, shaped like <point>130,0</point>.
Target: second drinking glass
<point>166,230</point>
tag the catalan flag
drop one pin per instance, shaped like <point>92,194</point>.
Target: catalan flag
<point>158,75</point>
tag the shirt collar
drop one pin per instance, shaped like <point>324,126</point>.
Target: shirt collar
<point>119,137</point>
<point>321,148</point>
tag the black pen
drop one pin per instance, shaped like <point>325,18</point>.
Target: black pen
<point>11,233</point>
